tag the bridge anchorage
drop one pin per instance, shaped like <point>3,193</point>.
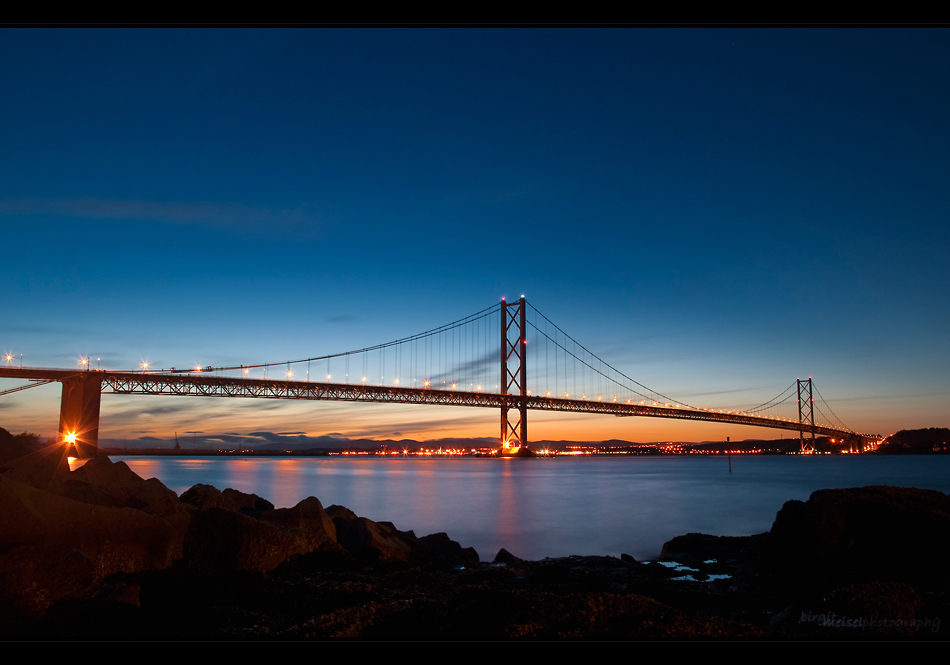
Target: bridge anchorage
<point>452,365</point>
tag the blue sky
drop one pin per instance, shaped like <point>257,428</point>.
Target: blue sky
<point>715,212</point>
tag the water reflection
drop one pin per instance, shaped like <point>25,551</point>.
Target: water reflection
<point>553,507</point>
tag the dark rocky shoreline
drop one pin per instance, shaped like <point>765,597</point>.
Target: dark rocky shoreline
<point>99,553</point>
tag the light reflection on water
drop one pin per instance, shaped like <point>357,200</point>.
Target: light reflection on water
<point>553,507</point>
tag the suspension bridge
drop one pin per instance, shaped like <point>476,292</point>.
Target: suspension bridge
<point>481,360</point>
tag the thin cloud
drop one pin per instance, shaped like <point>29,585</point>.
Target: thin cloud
<point>208,213</point>
<point>133,411</point>
<point>39,330</point>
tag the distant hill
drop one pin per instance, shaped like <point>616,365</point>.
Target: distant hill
<point>375,444</point>
<point>302,443</point>
<point>917,441</point>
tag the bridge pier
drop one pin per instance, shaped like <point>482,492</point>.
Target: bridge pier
<point>514,375</point>
<point>79,412</point>
<point>806,414</point>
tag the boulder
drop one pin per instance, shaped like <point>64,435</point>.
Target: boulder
<point>438,548</point>
<point>374,540</point>
<point>221,540</point>
<point>26,459</point>
<point>225,540</point>
<point>367,539</point>
<point>205,496</point>
<point>697,547</point>
<point>506,557</point>
<point>114,539</point>
<point>307,517</point>
<point>865,533</point>
<point>342,512</point>
<point>104,483</point>
<point>249,504</point>
<point>33,577</point>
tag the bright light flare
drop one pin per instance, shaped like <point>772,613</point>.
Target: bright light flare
<point>144,365</point>
<point>84,362</point>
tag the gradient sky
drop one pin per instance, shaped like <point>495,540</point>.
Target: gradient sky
<point>714,212</point>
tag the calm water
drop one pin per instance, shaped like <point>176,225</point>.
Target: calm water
<point>553,507</point>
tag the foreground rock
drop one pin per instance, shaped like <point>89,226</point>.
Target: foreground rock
<point>866,533</point>
<point>63,533</point>
<point>308,517</point>
<point>26,459</point>
<point>439,549</point>
<point>203,497</point>
<point>848,563</point>
<point>697,548</point>
<point>221,540</point>
<point>53,547</point>
<point>105,554</point>
<point>113,539</point>
<point>104,483</point>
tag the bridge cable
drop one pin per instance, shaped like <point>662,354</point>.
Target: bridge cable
<point>649,390</point>
<point>434,331</point>
<point>825,402</point>
<point>769,403</point>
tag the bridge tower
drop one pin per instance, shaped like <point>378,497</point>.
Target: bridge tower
<point>514,375</point>
<point>806,414</point>
<point>79,412</point>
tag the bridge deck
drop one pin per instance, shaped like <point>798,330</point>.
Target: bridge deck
<point>208,385</point>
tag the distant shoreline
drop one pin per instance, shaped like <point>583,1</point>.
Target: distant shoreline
<point>930,441</point>
<point>164,452</point>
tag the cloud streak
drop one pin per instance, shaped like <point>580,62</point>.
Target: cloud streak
<point>205,213</point>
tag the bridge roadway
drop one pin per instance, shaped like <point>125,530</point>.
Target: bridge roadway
<point>207,385</point>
